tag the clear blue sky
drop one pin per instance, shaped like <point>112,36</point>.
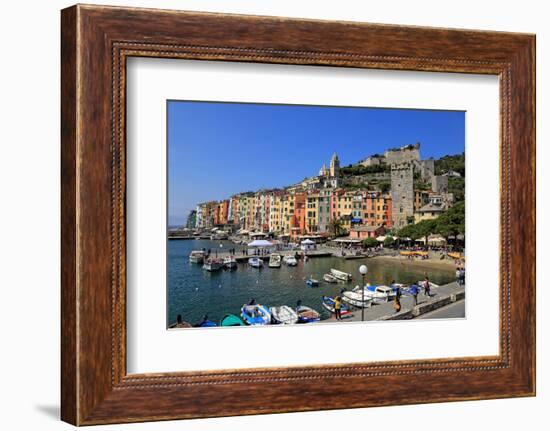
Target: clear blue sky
<point>218,149</point>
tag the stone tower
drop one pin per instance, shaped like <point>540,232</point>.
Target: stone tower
<point>334,166</point>
<point>402,193</point>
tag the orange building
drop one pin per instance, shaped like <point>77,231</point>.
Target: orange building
<point>299,221</point>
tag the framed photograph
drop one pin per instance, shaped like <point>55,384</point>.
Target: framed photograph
<point>267,215</point>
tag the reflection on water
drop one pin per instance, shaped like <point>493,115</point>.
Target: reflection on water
<point>193,292</point>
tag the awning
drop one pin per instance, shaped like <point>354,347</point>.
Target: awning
<point>307,242</point>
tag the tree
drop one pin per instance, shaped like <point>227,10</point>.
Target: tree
<point>452,222</point>
<point>384,186</point>
<point>389,241</point>
<point>370,242</point>
<point>335,227</point>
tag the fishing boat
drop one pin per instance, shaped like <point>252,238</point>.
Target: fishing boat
<point>274,260</point>
<point>329,278</point>
<point>255,314</point>
<point>328,303</point>
<point>283,315</point>
<point>206,323</point>
<point>230,262</point>
<point>357,298</point>
<point>197,256</point>
<point>255,262</point>
<point>312,282</point>
<point>231,320</point>
<point>341,275</point>
<point>307,314</point>
<point>213,264</point>
<point>290,260</point>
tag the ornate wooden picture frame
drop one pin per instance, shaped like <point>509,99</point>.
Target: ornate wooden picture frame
<point>96,42</point>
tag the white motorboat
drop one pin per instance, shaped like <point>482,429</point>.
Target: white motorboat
<point>255,262</point>
<point>379,293</point>
<point>329,278</point>
<point>274,260</point>
<point>284,315</point>
<point>230,262</point>
<point>290,260</point>
<point>357,298</point>
<point>341,275</point>
<point>197,256</point>
<point>213,264</point>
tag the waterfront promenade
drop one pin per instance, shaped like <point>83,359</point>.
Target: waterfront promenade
<point>441,297</point>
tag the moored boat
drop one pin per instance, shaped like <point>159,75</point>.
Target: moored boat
<point>197,256</point>
<point>312,282</point>
<point>255,314</point>
<point>380,293</point>
<point>231,320</point>
<point>290,260</point>
<point>205,323</point>
<point>255,262</point>
<point>329,278</point>
<point>328,304</point>
<point>275,260</point>
<point>283,315</point>
<point>341,275</point>
<point>307,314</point>
<point>230,262</point>
<point>213,264</point>
<point>357,298</point>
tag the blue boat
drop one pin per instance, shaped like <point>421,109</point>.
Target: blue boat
<point>307,314</point>
<point>255,314</point>
<point>328,303</point>
<point>206,323</point>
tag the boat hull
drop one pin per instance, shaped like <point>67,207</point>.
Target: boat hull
<point>254,315</point>
<point>283,315</point>
<point>357,300</point>
<point>328,304</point>
<point>307,315</point>
<point>341,275</point>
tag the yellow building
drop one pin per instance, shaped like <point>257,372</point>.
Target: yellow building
<point>312,212</point>
<point>275,212</point>
<point>287,214</point>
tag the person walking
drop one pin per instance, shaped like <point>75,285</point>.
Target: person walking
<point>338,307</point>
<point>457,275</point>
<point>427,287</point>
<point>414,293</point>
<point>397,304</point>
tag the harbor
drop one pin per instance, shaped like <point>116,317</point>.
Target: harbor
<point>195,293</point>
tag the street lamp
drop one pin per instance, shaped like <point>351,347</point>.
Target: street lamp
<point>363,271</point>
